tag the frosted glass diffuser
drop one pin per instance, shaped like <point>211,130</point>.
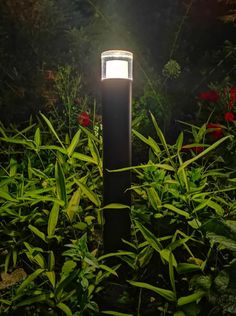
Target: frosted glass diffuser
<point>117,64</point>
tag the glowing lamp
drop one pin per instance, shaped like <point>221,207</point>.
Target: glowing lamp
<point>117,64</point>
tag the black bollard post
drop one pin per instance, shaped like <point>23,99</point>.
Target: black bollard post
<point>116,116</point>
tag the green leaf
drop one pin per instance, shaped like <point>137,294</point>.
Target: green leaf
<point>90,194</point>
<point>179,142</point>
<point>157,165</point>
<point>156,149</point>
<point>3,132</point>
<point>25,143</point>
<point>51,260</point>
<point>150,237</point>
<point>74,143</point>
<point>65,308</point>
<point>93,150</point>
<point>28,280</point>
<point>141,137</point>
<point>195,223</point>
<point>34,299</point>
<point>116,254</point>
<point>154,198</point>
<point>51,277</point>
<point>176,210</point>
<point>7,197</point>
<point>115,206</point>
<point>38,258</point>
<point>73,205</point>
<point>215,206</point>
<point>95,154</point>
<point>90,135</point>
<point>167,294</point>
<point>49,124</point>
<point>53,219</point>
<point>6,302</point>
<point>14,257</point>
<point>108,269</point>
<point>160,135</point>
<point>171,271</point>
<point>54,147</point>
<point>37,232</point>
<point>60,182</point>
<point>190,298</point>
<point>37,137</point>
<point>68,267</point>
<point>84,158</point>
<point>13,167</point>
<point>150,142</point>
<point>166,254</point>
<point>202,154</point>
<point>183,268</point>
<point>201,133</point>
<point>223,241</point>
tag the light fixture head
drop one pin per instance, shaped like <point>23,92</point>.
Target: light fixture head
<point>117,64</point>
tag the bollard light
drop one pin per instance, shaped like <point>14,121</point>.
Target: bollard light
<point>116,76</point>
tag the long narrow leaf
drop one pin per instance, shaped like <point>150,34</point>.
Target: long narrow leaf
<point>190,298</point>
<point>157,165</point>
<point>176,210</point>
<point>150,237</point>
<point>167,294</point>
<point>73,204</point>
<point>37,232</point>
<point>90,194</point>
<point>34,299</point>
<point>202,154</point>
<point>53,219</point>
<point>60,182</point>
<point>37,137</point>
<point>28,280</point>
<point>74,143</point>
<point>65,308</point>
<point>49,124</point>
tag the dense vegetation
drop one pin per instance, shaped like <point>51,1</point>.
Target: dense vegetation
<point>181,256</point>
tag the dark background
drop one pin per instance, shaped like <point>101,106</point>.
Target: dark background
<point>36,36</point>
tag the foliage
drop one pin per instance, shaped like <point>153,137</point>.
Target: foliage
<point>182,247</point>
<point>175,199</point>
<point>217,110</point>
<point>50,197</point>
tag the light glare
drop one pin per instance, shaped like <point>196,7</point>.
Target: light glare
<point>117,69</point>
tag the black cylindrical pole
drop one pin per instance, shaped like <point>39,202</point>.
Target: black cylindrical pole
<point>116,116</point>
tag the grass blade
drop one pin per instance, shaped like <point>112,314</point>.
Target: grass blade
<point>49,124</point>
<point>60,183</point>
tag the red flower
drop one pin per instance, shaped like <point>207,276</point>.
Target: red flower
<point>232,100</point>
<point>83,119</point>
<point>233,93</point>
<point>211,96</point>
<point>198,149</point>
<point>229,116</point>
<point>216,130</point>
